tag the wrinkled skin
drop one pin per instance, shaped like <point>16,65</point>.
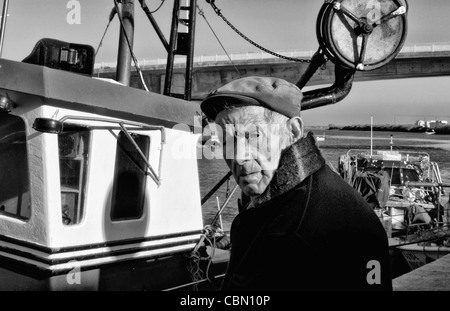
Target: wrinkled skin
<point>252,145</point>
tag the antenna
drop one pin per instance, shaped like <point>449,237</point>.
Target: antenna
<point>3,24</point>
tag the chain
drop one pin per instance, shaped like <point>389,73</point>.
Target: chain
<point>217,10</point>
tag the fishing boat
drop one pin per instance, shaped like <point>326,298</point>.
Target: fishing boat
<point>429,131</point>
<point>320,137</point>
<point>405,189</point>
<point>88,171</point>
<point>99,180</point>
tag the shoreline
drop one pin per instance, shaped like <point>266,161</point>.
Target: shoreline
<point>432,143</point>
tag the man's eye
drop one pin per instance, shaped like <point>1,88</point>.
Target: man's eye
<point>246,135</point>
<point>251,135</point>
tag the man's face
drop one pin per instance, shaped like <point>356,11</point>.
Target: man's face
<point>252,146</point>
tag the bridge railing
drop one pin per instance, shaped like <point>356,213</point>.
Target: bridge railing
<point>426,48</point>
<point>210,60</point>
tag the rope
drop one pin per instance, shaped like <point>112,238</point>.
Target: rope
<point>218,12</point>
<point>213,251</point>
<point>210,232</point>
<point>157,9</point>
<point>195,270</point>
<point>202,14</point>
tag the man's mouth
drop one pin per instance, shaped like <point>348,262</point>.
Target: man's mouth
<point>250,177</point>
<point>245,172</point>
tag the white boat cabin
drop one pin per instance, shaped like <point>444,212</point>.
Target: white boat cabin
<point>76,194</point>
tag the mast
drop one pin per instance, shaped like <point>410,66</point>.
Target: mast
<point>181,43</point>
<point>192,9</point>
<point>123,73</point>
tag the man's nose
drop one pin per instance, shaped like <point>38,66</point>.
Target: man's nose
<point>241,151</point>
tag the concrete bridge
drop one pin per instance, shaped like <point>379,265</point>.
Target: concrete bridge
<point>210,72</point>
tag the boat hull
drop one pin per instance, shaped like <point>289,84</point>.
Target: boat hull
<point>419,255</point>
<point>176,272</point>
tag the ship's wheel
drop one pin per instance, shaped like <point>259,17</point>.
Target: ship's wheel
<point>362,34</point>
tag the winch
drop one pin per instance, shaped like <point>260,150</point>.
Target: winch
<point>356,35</point>
<point>362,34</point>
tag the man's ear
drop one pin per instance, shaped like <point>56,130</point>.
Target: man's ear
<point>295,127</point>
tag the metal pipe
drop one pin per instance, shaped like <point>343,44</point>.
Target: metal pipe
<point>3,24</point>
<point>193,283</point>
<point>123,73</point>
<point>216,217</point>
<point>154,24</point>
<point>142,156</point>
<point>317,60</point>
<point>330,95</point>
<point>217,186</point>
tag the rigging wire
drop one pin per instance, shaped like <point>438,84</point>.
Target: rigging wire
<point>111,17</point>
<point>136,63</point>
<point>218,12</point>
<point>156,10</point>
<point>201,13</point>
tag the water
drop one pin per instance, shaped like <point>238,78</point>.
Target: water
<point>210,173</point>
<point>336,143</point>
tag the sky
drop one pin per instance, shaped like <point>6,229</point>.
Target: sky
<point>278,25</point>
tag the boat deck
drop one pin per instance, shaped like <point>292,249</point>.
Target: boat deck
<point>394,242</point>
<point>434,276</point>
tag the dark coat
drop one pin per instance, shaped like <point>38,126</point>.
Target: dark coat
<point>310,230</point>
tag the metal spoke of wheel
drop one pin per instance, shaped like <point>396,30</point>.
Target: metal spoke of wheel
<point>362,54</point>
<point>338,7</point>
<point>398,12</point>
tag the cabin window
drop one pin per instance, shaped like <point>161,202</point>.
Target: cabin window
<point>410,175</point>
<point>394,175</point>
<point>15,198</point>
<point>129,178</point>
<point>73,161</point>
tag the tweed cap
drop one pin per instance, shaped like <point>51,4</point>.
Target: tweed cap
<point>273,93</point>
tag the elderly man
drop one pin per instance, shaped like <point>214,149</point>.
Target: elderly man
<point>304,227</point>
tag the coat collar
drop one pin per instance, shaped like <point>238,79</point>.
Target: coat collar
<point>297,162</point>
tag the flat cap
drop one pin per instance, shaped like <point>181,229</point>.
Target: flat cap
<point>273,93</point>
